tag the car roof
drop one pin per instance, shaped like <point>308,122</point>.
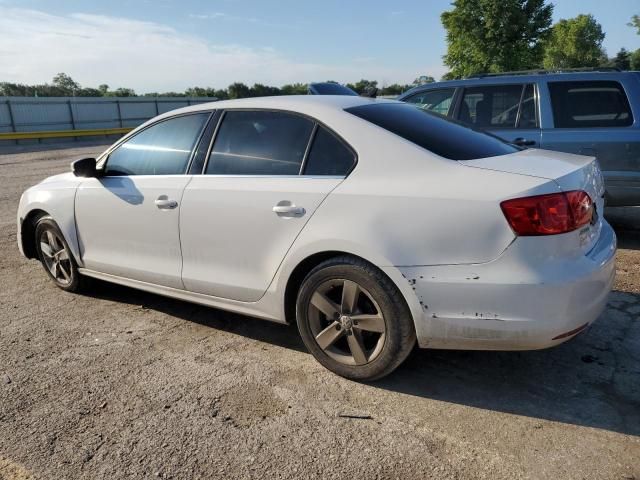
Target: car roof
<point>305,104</point>
<point>523,78</point>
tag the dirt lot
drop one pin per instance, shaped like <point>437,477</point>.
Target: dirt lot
<point>124,384</point>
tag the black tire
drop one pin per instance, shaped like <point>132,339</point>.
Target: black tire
<point>66,265</point>
<point>381,297</point>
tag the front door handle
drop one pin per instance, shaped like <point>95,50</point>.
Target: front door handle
<point>287,209</point>
<point>523,142</point>
<point>164,203</point>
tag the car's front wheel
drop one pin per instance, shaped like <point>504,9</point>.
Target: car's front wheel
<point>55,255</point>
<point>353,319</point>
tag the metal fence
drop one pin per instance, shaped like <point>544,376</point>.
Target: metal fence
<point>63,114</point>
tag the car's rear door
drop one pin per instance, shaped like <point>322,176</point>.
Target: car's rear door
<point>594,117</point>
<point>127,219</point>
<point>509,111</point>
<point>267,173</point>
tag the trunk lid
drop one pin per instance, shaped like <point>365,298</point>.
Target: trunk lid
<point>567,171</point>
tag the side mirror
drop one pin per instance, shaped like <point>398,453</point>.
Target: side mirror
<point>85,167</point>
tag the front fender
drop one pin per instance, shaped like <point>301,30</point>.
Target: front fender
<point>55,197</point>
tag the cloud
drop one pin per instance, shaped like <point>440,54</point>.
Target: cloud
<point>241,19</point>
<point>148,56</point>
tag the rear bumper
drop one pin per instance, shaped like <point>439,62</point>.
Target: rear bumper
<point>520,301</point>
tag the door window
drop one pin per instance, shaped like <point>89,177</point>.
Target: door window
<point>260,143</point>
<point>438,101</point>
<point>161,149</point>
<point>589,104</point>
<point>328,155</point>
<point>528,118</point>
<point>492,106</point>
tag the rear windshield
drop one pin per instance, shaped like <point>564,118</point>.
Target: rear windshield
<point>433,132</point>
<point>332,89</point>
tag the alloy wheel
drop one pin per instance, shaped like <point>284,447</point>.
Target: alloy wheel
<point>56,257</point>
<point>346,322</point>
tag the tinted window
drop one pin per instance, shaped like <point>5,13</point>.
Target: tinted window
<point>162,149</point>
<point>259,143</point>
<point>589,104</point>
<point>433,132</point>
<point>438,101</point>
<point>528,118</point>
<point>491,106</point>
<point>331,89</point>
<point>328,156</point>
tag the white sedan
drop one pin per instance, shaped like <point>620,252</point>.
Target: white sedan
<point>372,223</point>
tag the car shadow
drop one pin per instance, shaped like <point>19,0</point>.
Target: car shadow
<point>626,223</point>
<point>280,335</point>
<point>589,381</point>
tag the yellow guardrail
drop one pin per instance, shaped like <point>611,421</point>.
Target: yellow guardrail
<point>63,133</point>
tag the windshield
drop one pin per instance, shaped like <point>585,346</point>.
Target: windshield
<point>433,132</point>
<point>331,89</point>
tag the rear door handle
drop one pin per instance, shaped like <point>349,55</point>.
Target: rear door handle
<point>164,203</point>
<point>285,209</point>
<point>523,142</point>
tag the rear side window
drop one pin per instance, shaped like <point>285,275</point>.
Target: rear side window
<point>328,155</point>
<point>161,149</point>
<point>589,104</point>
<point>438,135</point>
<point>259,143</point>
<point>494,106</point>
<point>438,101</point>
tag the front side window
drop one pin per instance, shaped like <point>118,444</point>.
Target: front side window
<point>328,156</point>
<point>438,101</point>
<point>432,132</point>
<point>589,104</point>
<point>494,106</point>
<point>161,149</point>
<point>259,143</point>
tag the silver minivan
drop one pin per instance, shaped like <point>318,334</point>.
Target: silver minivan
<point>595,113</point>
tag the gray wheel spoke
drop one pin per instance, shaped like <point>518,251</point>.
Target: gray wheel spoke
<point>326,306</point>
<point>370,323</point>
<point>51,240</point>
<point>350,292</point>
<point>46,249</point>
<point>63,255</point>
<point>329,335</point>
<point>66,276</point>
<point>356,347</point>
<point>54,269</point>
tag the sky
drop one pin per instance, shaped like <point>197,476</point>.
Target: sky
<point>170,45</point>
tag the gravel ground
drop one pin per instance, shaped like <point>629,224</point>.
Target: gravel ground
<point>124,384</point>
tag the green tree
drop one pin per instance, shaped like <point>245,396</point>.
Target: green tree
<point>495,35</point>
<point>363,86</point>
<point>104,88</point>
<point>66,84</point>
<point>259,90</point>
<point>395,89</point>
<point>634,61</point>
<point>238,90</point>
<point>424,79</point>
<point>622,60</point>
<point>294,89</point>
<point>635,23</point>
<point>574,43</point>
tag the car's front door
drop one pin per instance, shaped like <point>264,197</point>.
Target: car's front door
<point>127,218</point>
<point>267,173</point>
<point>508,111</point>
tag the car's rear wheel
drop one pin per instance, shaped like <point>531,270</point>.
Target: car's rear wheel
<point>353,319</point>
<point>55,255</point>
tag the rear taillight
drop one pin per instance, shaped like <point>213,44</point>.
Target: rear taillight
<point>548,214</point>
